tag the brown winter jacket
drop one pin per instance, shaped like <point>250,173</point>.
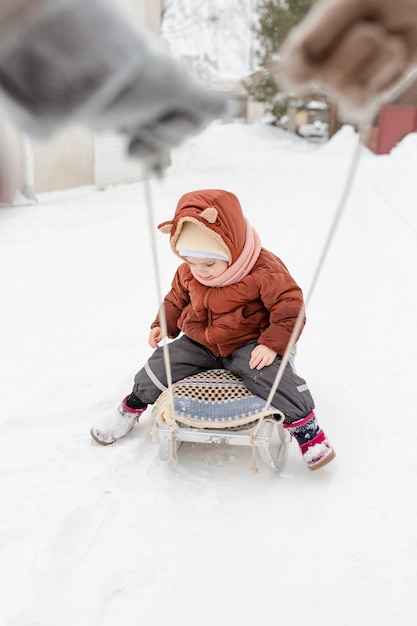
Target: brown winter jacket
<point>263,305</point>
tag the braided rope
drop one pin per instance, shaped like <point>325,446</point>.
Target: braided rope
<point>162,315</point>
<point>353,167</point>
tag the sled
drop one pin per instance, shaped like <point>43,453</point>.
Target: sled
<point>214,407</point>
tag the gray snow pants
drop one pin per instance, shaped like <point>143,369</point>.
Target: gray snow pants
<point>188,358</point>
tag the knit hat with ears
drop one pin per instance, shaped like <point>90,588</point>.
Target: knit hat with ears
<point>208,222</point>
<point>196,240</point>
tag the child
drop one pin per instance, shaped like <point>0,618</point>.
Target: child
<point>236,305</point>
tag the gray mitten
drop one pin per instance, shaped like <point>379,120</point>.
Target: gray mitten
<point>67,61</point>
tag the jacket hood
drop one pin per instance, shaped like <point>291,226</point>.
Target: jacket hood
<point>215,209</point>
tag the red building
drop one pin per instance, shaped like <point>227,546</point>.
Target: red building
<point>394,122</point>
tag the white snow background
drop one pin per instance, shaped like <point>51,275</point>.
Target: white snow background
<point>102,536</point>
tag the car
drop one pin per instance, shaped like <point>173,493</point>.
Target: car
<point>314,130</point>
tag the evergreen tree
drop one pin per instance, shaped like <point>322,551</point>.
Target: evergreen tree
<point>275,18</point>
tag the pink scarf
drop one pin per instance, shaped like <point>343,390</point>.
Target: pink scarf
<point>243,264</point>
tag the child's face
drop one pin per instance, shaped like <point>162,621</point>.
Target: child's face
<point>205,268</point>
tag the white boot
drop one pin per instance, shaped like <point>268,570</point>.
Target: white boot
<point>117,425</point>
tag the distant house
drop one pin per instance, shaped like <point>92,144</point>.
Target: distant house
<point>73,157</point>
<point>394,122</point>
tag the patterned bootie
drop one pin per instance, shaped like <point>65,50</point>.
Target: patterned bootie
<point>117,425</point>
<point>314,445</point>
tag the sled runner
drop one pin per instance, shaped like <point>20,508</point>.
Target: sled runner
<point>214,407</point>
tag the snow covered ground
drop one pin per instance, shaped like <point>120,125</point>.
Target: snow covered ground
<point>93,536</point>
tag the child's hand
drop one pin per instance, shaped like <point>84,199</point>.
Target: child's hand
<point>261,356</point>
<point>155,336</point>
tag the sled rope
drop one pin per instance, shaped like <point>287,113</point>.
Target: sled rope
<point>161,312</point>
<point>340,207</point>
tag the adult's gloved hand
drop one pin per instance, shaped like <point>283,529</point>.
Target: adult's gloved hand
<point>72,61</point>
<point>359,50</point>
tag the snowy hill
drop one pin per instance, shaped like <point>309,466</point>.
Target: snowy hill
<point>93,536</point>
